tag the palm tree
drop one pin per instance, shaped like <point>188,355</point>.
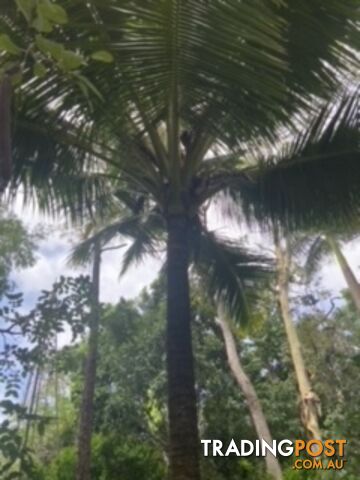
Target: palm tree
<point>92,247</point>
<point>282,210</point>
<point>309,401</point>
<point>188,85</point>
<point>87,403</point>
<point>322,246</point>
<point>351,281</point>
<point>224,268</point>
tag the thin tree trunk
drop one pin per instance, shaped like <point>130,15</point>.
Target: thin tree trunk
<point>351,281</point>
<point>256,412</point>
<point>30,412</point>
<point>309,406</point>
<point>183,428</point>
<point>87,405</point>
<point>5,132</point>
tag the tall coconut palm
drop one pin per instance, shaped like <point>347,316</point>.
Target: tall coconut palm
<point>185,86</point>
<point>224,269</point>
<point>257,187</point>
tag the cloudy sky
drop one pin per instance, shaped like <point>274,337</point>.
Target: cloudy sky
<point>54,250</point>
<point>52,261</point>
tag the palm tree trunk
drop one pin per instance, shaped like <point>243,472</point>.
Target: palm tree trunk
<point>256,412</point>
<point>182,411</point>
<point>351,281</point>
<point>309,401</point>
<point>87,403</point>
<point>5,129</point>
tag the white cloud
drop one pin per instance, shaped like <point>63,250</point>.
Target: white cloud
<point>52,261</point>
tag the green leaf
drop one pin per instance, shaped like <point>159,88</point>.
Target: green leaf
<point>67,60</point>
<point>70,60</point>
<point>52,12</point>
<point>8,46</point>
<point>42,24</point>
<point>39,70</point>
<point>26,7</point>
<point>54,49</point>
<point>103,56</point>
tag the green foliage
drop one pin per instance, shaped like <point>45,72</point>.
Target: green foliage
<point>49,13</point>
<point>112,458</point>
<point>199,90</point>
<point>17,247</point>
<point>26,7</point>
<point>102,56</point>
<point>21,363</point>
<point>208,77</point>
<point>130,439</point>
<point>8,46</point>
<point>66,59</point>
<point>63,466</point>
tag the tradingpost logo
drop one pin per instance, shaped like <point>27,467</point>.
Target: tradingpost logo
<point>309,455</point>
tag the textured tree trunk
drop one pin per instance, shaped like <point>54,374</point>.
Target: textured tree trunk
<point>309,401</point>
<point>351,281</point>
<point>183,428</point>
<point>5,129</point>
<point>256,412</point>
<point>87,404</point>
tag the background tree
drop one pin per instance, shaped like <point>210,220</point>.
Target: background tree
<point>131,394</point>
<point>260,423</point>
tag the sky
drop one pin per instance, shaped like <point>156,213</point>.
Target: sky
<point>52,260</point>
<point>53,252</point>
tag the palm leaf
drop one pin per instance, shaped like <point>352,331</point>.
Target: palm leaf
<point>317,251</point>
<point>313,179</point>
<point>228,270</point>
<point>226,72</point>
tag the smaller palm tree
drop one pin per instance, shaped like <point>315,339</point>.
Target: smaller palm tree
<point>326,244</point>
<point>309,401</point>
<point>87,403</point>
<point>91,249</point>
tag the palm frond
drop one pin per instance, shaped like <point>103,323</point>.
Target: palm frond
<point>148,239</point>
<point>84,251</point>
<point>313,180</point>
<point>318,250</point>
<point>231,71</point>
<point>229,271</point>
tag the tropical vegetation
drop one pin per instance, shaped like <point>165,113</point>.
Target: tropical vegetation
<point>138,122</point>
